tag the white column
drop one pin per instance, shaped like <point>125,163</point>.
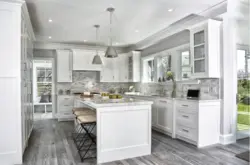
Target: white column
<point>229,73</point>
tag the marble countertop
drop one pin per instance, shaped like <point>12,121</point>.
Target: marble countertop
<point>97,102</point>
<point>169,98</point>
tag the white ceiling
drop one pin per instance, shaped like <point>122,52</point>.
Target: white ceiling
<point>73,20</point>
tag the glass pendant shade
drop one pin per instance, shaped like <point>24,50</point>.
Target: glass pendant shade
<point>111,52</point>
<point>97,60</point>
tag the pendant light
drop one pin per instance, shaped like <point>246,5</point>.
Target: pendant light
<point>97,59</point>
<point>111,52</point>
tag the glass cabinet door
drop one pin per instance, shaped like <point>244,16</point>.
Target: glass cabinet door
<point>199,52</point>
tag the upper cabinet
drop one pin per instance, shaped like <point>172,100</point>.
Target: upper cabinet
<point>115,69</point>
<point>205,49</point>
<point>134,61</point>
<point>64,66</point>
<point>82,60</point>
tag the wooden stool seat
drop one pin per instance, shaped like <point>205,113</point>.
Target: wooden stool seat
<point>86,119</point>
<point>84,113</point>
<point>81,109</point>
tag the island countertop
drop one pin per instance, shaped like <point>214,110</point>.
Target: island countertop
<point>98,102</point>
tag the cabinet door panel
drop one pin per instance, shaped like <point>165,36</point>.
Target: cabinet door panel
<point>64,66</point>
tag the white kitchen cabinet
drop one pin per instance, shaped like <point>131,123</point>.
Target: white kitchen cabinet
<point>64,66</point>
<point>82,60</point>
<point>115,69</point>
<point>123,67</point>
<point>134,66</point>
<point>205,49</point>
<point>165,115</point>
<point>65,104</point>
<point>198,122</point>
<point>109,71</point>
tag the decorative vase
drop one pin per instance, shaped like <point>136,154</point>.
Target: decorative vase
<point>174,89</point>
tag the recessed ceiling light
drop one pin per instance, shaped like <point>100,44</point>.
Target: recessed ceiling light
<point>50,20</point>
<point>84,40</point>
<point>170,10</point>
<point>136,31</point>
<point>50,37</point>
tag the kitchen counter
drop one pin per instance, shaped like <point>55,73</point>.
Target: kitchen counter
<point>123,127</point>
<point>97,103</point>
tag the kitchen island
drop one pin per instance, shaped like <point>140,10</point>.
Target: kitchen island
<point>123,127</point>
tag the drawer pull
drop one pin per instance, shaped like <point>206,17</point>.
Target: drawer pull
<point>66,105</point>
<point>66,98</point>
<point>185,116</point>
<point>185,105</point>
<point>184,130</point>
<point>163,101</point>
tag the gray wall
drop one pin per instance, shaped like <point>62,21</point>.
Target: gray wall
<point>39,53</point>
<point>168,43</point>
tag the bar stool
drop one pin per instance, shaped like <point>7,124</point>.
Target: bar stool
<point>78,131</point>
<point>87,145</point>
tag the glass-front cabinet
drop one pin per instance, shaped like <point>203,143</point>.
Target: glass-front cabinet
<point>205,49</point>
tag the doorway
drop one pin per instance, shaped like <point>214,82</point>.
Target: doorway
<point>243,96</point>
<point>43,89</point>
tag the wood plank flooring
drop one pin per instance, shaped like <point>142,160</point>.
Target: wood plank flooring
<point>51,144</point>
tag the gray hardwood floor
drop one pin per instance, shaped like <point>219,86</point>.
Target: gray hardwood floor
<point>51,144</point>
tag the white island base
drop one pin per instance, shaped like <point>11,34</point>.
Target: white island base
<point>123,129</point>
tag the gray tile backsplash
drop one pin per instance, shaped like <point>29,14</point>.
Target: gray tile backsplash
<point>88,81</point>
<point>209,88</point>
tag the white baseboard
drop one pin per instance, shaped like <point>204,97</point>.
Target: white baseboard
<point>227,139</point>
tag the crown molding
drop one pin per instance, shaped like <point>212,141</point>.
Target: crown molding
<point>181,25</point>
<point>56,45</point>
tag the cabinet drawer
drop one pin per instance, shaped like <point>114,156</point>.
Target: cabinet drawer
<point>66,100</point>
<point>65,108</point>
<point>187,119</point>
<point>187,106</point>
<point>189,133</point>
<point>65,114</point>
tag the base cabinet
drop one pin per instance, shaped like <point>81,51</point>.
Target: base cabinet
<point>165,115</point>
<point>65,105</point>
<point>198,122</point>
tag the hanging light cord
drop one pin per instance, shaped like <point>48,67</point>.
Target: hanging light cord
<point>111,12</point>
<point>97,36</point>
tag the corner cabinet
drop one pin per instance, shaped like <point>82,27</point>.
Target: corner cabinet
<point>205,49</point>
<point>64,66</point>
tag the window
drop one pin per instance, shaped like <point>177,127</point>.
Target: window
<point>186,69</point>
<point>150,69</point>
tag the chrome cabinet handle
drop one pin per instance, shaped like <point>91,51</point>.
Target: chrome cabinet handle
<point>163,101</point>
<point>185,105</point>
<point>66,98</point>
<point>185,116</point>
<point>185,130</point>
